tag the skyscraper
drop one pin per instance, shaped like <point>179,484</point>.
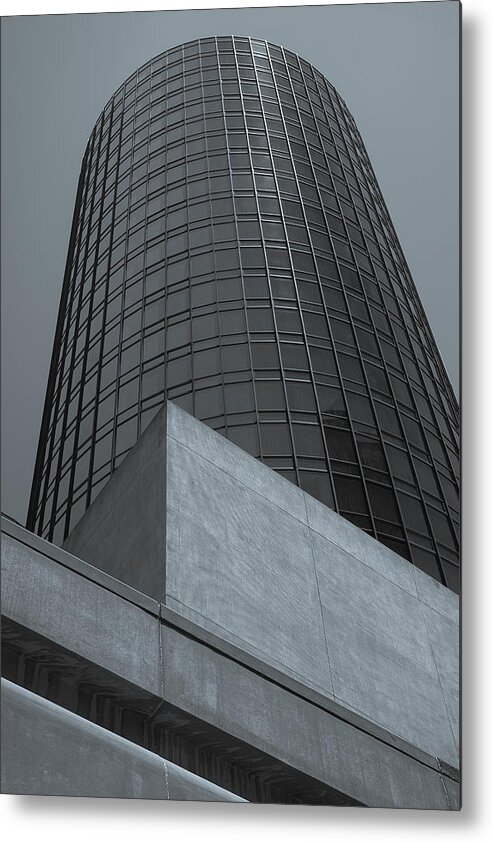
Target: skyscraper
<point>231,250</point>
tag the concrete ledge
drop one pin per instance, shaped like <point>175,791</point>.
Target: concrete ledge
<point>77,565</point>
<point>79,615</point>
<point>302,735</point>
<point>47,750</point>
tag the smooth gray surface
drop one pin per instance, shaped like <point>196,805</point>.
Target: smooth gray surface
<point>47,750</point>
<point>381,654</point>
<point>123,532</point>
<point>235,561</point>
<point>234,461</point>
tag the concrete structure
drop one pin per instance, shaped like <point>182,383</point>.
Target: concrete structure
<point>211,612</point>
<point>107,766</point>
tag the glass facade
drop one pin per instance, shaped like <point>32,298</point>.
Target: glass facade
<point>231,251</point>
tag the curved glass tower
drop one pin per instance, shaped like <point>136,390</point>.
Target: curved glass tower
<point>231,251</point>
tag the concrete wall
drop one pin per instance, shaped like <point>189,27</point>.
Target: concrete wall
<point>124,531</point>
<point>258,562</point>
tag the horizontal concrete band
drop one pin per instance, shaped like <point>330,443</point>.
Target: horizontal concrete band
<point>157,723</point>
<point>77,565</point>
<point>178,622</point>
<point>111,631</point>
<point>48,750</point>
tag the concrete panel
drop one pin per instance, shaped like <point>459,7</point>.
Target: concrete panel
<point>123,531</point>
<point>451,696</point>
<point>444,641</point>
<point>364,596</point>
<point>287,727</point>
<point>357,543</point>
<point>243,566</point>
<point>79,615</point>
<point>234,461</point>
<point>47,750</point>
<point>380,653</point>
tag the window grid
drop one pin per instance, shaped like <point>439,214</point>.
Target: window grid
<point>232,251</point>
<point>370,395</point>
<point>44,529</point>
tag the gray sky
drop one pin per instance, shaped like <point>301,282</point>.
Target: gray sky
<point>395,64</point>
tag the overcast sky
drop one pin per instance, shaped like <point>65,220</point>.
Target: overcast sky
<point>395,64</point>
